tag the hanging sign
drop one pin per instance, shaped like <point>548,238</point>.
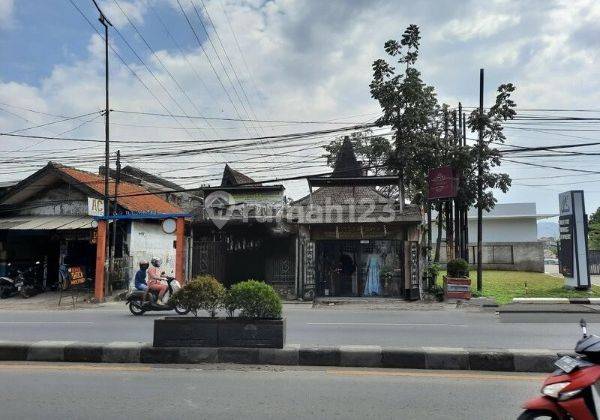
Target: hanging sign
<point>573,255</point>
<point>442,183</point>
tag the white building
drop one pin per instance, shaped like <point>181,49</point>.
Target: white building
<point>510,239</point>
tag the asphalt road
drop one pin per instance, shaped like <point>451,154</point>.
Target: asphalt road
<point>79,391</point>
<point>308,326</point>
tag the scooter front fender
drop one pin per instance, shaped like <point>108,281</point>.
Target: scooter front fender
<point>545,404</point>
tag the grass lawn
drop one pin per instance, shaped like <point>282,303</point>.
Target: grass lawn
<point>506,285</point>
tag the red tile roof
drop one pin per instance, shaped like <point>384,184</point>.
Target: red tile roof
<point>128,193</point>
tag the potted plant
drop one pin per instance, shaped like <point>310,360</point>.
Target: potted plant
<point>258,322</point>
<point>202,293</point>
<point>457,284</point>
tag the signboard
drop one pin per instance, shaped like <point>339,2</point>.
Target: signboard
<point>442,183</point>
<point>95,207</point>
<point>573,253</point>
<point>77,276</point>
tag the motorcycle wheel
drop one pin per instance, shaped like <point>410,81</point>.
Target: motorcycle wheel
<point>536,414</point>
<point>181,311</point>
<point>135,308</point>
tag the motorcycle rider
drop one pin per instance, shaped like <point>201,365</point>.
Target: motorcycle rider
<point>140,276</point>
<point>156,278</point>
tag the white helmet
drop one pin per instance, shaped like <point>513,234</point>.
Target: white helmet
<point>156,262</point>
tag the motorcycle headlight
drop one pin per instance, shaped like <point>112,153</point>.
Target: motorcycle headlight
<point>568,395</point>
<point>553,390</point>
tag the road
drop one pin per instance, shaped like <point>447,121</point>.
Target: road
<point>308,326</point>
<point>226,392</point>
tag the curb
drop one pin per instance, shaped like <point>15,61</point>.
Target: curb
<point>521,360</point>
<point>576,301</point>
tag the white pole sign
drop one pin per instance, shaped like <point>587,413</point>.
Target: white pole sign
<point>573,240</point>
<point>95,207</point>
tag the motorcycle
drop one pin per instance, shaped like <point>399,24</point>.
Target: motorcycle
<point>10,286</point>
<point>140,301</point>
<point>29,279</point>
<point>572,391</point>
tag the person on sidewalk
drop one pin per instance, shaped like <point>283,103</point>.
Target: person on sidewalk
<point>156,279</point>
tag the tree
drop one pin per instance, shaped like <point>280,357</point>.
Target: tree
<point>410,107</point>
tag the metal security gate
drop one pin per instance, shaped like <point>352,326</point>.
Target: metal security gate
<point>208,257</point>
<point>594,262</point>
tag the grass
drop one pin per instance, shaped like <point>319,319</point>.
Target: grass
<point>506,285</point>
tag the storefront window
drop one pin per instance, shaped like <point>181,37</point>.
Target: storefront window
<point>368,268</point>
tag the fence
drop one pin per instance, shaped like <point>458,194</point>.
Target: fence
<point>594,262</point>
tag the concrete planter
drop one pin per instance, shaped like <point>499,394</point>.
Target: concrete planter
<point>219,332</point>
<point>457,288</point>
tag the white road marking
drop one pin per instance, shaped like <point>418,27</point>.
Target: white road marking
<point>46,322</point>
<point>381,324</point>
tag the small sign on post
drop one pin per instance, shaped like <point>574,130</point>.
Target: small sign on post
<point>442,183</point>
<point>95,207</point>
<point>573,253</point>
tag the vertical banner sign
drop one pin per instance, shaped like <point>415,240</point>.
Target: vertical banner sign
<point>573,253</point>
<point>95,207</point>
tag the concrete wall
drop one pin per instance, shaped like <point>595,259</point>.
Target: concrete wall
<point>519,229</point>
<point>513,256</point>
<point>147,240</point>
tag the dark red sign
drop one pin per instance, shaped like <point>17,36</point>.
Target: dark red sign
<point>442,183</point>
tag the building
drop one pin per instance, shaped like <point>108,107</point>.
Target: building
<point>510,238</point>
<point>354,241</point>
<point>238,234</point>
<point>343,239</point>
<point>46,217</point>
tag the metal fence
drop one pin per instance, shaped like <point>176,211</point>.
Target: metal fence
<point>594,262</point>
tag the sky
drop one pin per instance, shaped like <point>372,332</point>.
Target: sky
<point>279,63</point>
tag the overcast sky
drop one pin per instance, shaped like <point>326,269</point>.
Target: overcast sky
<point>293,60</point>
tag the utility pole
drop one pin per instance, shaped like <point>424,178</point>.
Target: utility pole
<point>111,257</point>
<point>457,230</point>
<point>466,212</point>
<point>480,189</point>
<point>106,23</point>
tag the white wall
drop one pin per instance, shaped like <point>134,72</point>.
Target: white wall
<point>147,240</point>
<point>521,229</point>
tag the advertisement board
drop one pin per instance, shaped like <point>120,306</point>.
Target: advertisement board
<point>442,183</point>
<point>573,227</point>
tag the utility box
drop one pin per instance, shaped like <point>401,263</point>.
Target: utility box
<point>457,288</point>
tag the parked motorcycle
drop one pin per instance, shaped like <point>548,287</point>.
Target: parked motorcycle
<point>31,283</point>
<point>11,284</point>
<point>572,391</point>
<point>140,302</point>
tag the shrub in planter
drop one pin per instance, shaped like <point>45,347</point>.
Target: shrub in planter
<point>204,292</point>
<point>254,299</point>
<point>458,268</point>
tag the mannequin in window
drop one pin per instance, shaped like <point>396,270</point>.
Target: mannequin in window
<point>372,284</point>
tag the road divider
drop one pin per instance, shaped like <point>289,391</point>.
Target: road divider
<point>517,360</point>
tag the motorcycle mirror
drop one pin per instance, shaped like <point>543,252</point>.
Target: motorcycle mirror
<point>583,326</point>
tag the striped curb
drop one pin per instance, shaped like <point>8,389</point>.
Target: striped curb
<point>515,360</point>
<point>577,301</point>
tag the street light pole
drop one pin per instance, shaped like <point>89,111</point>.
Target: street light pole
<point>106,23</point>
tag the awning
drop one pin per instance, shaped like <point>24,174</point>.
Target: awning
<point>45,223</point>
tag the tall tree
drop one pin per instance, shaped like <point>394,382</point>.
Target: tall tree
<point>594,230</point>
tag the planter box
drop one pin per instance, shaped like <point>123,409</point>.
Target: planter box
<point>457,288</point>
<point>219,332</point>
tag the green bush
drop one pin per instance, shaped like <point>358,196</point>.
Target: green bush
<point>458,268</point>
<point>437,292</point>
<point>203,292</point>
<point>254,299</point>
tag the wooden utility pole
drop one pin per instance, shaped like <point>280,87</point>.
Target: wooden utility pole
<point>480,190</point>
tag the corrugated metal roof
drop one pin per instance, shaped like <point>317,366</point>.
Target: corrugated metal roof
<point>46,222</point>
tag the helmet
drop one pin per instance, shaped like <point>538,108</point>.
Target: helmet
<point>155,262</point>
<point>144,265</point>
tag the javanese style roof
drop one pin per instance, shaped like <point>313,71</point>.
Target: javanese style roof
<point>231,178</point>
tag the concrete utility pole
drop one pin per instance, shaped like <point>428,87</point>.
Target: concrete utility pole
<point>106,23</point>
<point>466,212</point>
<point>480,191</point>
